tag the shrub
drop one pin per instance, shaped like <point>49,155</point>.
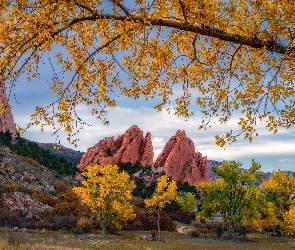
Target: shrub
<point>183,216</point>
<point>227,236</point>
<point>40,196</point>
<point>154,233</point>
<point>219,231</point>
<point>31,161</point>
<point>268,228</point>
<point>195,233</point>
<point>69,203</point>
<point>11,187</point>
<point>84,225</point>
<point>147,220</point>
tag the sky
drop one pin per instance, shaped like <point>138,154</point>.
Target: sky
<point>272,151</point>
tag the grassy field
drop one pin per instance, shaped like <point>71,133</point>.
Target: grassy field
<point>45,240</point>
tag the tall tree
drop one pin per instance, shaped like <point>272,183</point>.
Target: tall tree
<point>108,194</point>
<point>225,56</point>
<point>165,192</point>
<point>235,195</point>
<point>280,189</point>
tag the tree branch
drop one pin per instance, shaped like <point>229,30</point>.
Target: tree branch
<point>253,42</point>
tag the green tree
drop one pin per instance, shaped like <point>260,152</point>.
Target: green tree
<point>227,56</point>
<point>107,193</point>
<point>166,192</point>
<point>235,195</point>
<point>279,189</point>
<point>188,202</point>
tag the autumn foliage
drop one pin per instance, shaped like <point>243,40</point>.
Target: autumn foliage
<point>107,193</point>
<point>165,193</point>
<point>226,57</point>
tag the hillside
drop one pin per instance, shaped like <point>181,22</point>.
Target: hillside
<point>30,149</point>
<point>27,175</point>
<point>69,154</point>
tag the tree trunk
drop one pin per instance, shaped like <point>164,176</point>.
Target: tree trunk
<point>158,222</point>
<point>103,230</point>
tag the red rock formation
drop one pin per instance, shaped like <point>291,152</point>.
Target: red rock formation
<point>181,161</point>
<point>6,117</point>
<point>129,147</point>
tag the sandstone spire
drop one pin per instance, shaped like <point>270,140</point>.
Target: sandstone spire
<point>181,161</point>
<point>129,147</point>
<point>6,117</point>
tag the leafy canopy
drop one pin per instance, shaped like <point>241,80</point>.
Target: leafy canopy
<point>235,195</point>
<point>280,189</point>
<point>224,56</point>
<point>165,192</point>
<point>107,193</point>
<point>188,202</point>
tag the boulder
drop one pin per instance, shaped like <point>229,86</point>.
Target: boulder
<point>6,117</point>
<point>181,160</point>
<point>130,147</point>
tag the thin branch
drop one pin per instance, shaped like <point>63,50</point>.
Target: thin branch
<point>183,10</point>
<point>232,58</point>
<point>121,6</point>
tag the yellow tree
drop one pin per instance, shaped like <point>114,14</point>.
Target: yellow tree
<point>224,56</point>
<point>107,193</point>
<point>165,192</point>
<point>280,189</point>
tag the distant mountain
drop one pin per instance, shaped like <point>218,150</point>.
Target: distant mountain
<point>69,154</point>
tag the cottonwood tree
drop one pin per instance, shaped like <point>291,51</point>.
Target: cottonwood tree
<point>188,202</point>
<point>280,190</point>
<point>224,56</point>
<point>107,193</point>
<point>235,196</point>
<point>165,193</point>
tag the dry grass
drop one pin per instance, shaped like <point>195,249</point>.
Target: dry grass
<point>48,240</point>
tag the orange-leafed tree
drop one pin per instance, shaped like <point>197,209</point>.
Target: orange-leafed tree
<point>165,192</point>
<point>224,56</point>
<point>107,193</point>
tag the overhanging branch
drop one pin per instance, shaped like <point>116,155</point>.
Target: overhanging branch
<point>253,42</point>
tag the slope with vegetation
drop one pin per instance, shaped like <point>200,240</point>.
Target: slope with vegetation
<point>31,150</point>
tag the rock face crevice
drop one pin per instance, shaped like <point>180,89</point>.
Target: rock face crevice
<point>181,160</point>
<point>131,147</point>
<point>6,117</point>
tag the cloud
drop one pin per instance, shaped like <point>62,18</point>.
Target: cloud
<point>162,126</point>
<point>287,160</point>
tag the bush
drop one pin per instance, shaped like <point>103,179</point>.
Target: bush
<point>147,220</point>
<point>31,161</point>
<point>219,231</point>
<point>11,187</point>
<point>227,236</point>
<point>195,233</point>
<point>40,196</point>
<point>183,216</point>
<point>84,225</point>
<point>67,203</point>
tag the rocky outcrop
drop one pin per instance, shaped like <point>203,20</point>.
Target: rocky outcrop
<point>23,203</point>
<point>181,160</point>
<point>129,147</point>
<point>6,117</point>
